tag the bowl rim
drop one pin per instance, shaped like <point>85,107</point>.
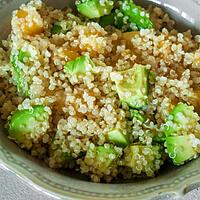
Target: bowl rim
<point>175,189</point>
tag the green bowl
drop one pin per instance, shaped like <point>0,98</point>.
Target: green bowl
<point>172,182</point>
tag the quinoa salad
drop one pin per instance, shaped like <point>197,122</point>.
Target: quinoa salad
<point>109,89</point>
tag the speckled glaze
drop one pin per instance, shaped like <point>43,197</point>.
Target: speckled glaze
<point>171,182</point>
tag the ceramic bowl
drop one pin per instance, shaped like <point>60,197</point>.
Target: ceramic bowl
<point>171,182</point>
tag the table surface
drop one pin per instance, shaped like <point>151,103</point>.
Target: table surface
<point>13,188</point>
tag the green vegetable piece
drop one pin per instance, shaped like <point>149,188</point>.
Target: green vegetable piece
<point>130,16</point>
<point>115,20</point>
<point>26,122</point>
<point>65,157</point>
<point>94,8</point>
<point>80,65</point>
<point>117,137</point>
<point>19,77</point>
<point>143,159</point>
<point>152,77</point>
<point>23,55</point>
<point>180,149</point>
<point>132,87</point>
<point>121,22</point>
<point>107,20</point>
<point>179,119</point>
<point>56,29</point>
<point>137,115</point>
<point>60,158</point>
<point>66,25</point>
<point>101,158</point>
<point>159,139</point>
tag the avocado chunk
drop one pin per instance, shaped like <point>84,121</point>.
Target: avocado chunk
<point>180,120</point>
<point>101,158</point>
<point>56,29</point>
<point>94,8</point>
<point>19,77</point>
<point>138,115</point>
<point>66,156</point>
<point>59,159</point>
<point>180,149</point>
<point>65,25</point>
<point>127,17</point>
<point>107,20</point>
<point>152,77</point>
<point>131,17</point>
<point>132,87</point>
<point>25,124</point>
<point>117,137</point>
<point>143,159</point>
<point>159,139</point>
<point>80,65</point>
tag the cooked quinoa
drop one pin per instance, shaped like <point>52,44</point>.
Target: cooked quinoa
<point>108,101</point>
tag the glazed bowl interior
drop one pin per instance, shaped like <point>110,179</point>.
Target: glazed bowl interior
<point>68,184</point>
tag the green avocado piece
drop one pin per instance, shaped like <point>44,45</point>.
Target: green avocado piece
<point>24,122</point>
<point>80,65</point>
<point>131,17</point>
<point>117,137</point>
<point>133,87</point>
<point>152,77</point>
<point>102,158</point>
<point>127,17</point>
<point>181,117</point>
<point>107,20</point>
<point>18,73</point>
<point>94,8</point>
<point>159,139</point>
<point>137,115</point>
<point>66,25</point>
<point>22,55</point>
<point>180,149</point>
<point>66,157</point>
<point>143,159</point>
<point>56,29</point>
<point>60,158</point>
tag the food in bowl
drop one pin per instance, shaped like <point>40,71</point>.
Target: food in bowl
<point>110,89</point>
